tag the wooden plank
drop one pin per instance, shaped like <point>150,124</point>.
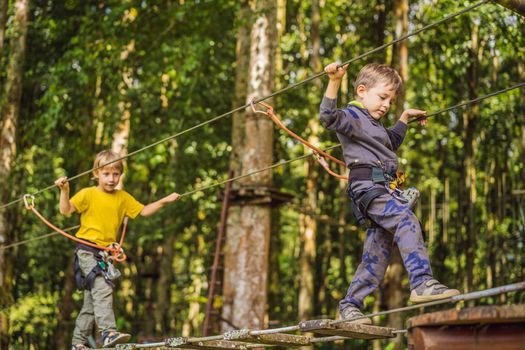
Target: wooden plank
<point>186,343</point>
<point>279,339</point>
<point>347,329</point>
<point>216,344</point>
<point>476,315</point>
<point>134,347</point>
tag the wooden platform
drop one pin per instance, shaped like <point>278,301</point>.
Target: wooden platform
<point>279,339</point>
<point>347,329</point>
<point>480,328</point>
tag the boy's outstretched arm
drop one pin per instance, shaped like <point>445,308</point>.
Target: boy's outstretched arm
<point>398,131</point>
<point>154,207</point>
<point>66,207</point>
<point>330,116</point>
<point>412,113</point>
<point>335,73</point>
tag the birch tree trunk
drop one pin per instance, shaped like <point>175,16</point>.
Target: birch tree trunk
<point>10,108</point>
<point>253,231</point>
<point>233,235</point>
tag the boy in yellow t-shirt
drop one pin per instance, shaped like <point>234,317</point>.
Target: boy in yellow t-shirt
<point>102,209</point>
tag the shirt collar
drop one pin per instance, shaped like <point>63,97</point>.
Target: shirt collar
<point>357,103</point>
<point>367,113</point>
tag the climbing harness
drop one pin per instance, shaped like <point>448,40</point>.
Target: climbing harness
<point>319,154</point>
<point>104,267</point>
<point>116,250</point>
<point>391,184</point>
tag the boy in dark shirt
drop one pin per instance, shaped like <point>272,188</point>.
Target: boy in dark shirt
<point>369,152</point>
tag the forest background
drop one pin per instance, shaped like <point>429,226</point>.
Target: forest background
<point>81,76</point>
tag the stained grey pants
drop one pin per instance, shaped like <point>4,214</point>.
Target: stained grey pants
<point>394,221</point>
<point>98,303</point>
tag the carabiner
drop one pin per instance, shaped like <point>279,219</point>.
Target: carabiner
<point>29,201</point>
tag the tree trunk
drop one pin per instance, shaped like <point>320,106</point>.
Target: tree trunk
<point>275,290</point>
<point>66,306</point>
<point>164,285</point>
<point>469,129</point>
<point>394,275</point>
<point>238,136</point>
<point>254,229</point>
<point>197,269</point>
<point>521,120</point>
<point>400,57</point>
<point>309,224</point>
<point>122,130</point>
<point>281,28</point>
<point>10,108</point>
<point>4,4</point>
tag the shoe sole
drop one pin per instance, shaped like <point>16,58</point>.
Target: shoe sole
<point>364,321</point>
<point>416,299</point>
<point>120,340</point>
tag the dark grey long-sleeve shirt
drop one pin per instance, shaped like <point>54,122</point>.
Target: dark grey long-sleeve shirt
<point>365,141</point>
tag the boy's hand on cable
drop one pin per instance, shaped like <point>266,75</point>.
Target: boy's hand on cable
<point>335,71</point>
<point>172,197</point>
<point>412,113</point>
<point>63,184</point>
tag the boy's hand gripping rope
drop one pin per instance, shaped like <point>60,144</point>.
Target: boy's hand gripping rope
<point>319,154</point>
<point>115,249</point>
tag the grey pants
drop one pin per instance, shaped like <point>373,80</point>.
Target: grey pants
<point>98,303</point>
<point>394,222</point>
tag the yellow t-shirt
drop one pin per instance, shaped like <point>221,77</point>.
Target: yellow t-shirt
<point>101,213</point>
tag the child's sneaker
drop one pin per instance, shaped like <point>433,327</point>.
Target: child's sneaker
<point>351,312</point>
<point>113,338</point>
<point>80,347</point>
<point>431,290</point>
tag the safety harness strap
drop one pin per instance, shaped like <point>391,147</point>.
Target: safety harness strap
<point>100,269</point>
<point>360,206</point>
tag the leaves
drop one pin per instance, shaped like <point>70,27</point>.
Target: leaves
<point>171,64</point>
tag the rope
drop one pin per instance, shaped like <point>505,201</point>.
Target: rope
<point>463,297</point>
<point>319,154</point>
<point>54,233</point>
<point>278,92</point>
<point>461,104</point>
<point>115,248</point>
<point>297,158</point>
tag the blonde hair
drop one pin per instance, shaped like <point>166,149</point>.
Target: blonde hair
<point>374,73</point>
<point>106,157</point>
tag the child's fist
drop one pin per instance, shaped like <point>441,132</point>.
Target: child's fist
<point>412,113</point>
<point>335,71</point>
<point>172,197</point>
<point>62,183</point>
